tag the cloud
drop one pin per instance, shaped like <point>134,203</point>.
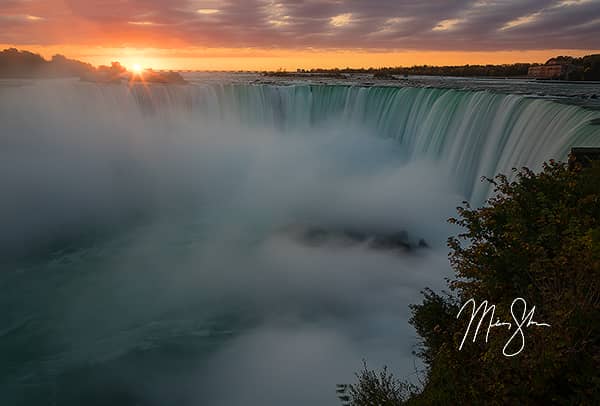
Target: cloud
<point>20,18</point>
<point>520,21</point>
<point>446,25</point>
<point>462,25</point>
<point>207,11</point>
<point>341,20</point>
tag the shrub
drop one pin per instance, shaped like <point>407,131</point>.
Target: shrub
<point>538,238</point>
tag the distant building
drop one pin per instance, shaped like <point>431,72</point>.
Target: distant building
<point>548,71</point>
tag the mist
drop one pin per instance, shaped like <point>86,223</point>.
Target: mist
<point>149,257</point>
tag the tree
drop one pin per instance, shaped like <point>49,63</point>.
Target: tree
<point>379,389</point>
<point>538,238</point>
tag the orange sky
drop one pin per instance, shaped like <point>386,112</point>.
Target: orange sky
<point>262,59</point>
<point>291,34</point>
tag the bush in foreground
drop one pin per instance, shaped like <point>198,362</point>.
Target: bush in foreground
<point>537,239</point>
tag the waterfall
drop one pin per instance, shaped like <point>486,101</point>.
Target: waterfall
<point>149,242</point>
<point>473,133</point>
<point>122,131</point>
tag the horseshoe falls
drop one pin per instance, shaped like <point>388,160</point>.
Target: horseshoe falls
<point>473,133</point>
<point>236,243</point>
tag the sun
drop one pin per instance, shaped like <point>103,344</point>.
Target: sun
<point>137,68</point>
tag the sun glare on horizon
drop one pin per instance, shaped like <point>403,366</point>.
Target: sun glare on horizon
<point>137,68</point>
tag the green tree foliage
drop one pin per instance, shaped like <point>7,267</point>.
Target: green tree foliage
<point>539,239</point>
<point>591,67</point>
<point>380,389</point>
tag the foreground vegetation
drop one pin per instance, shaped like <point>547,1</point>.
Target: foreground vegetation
<point>538,239</point>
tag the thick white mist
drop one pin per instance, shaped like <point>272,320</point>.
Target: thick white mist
<point>193,189</point>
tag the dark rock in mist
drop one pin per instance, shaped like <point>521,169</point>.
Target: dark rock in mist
<point>317,236</point>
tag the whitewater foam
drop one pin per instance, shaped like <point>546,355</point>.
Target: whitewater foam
<point>165,278</point>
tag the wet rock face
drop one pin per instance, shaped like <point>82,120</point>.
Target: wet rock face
<point>317,236</point>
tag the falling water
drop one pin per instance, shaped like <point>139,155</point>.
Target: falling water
<point>145,250</point>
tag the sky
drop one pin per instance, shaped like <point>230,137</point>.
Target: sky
<point>290,34</point>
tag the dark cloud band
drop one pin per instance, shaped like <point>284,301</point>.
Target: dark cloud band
<point>466,25</point>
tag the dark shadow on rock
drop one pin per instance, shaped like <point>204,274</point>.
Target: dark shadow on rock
<point>316,236</point>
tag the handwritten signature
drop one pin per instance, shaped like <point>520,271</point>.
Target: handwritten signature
<point>524,321</point>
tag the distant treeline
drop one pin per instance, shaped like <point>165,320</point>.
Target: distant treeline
<point>25,64</point>
<point>518,69</point>
<point>15,64</point>
<point>588,69</point>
